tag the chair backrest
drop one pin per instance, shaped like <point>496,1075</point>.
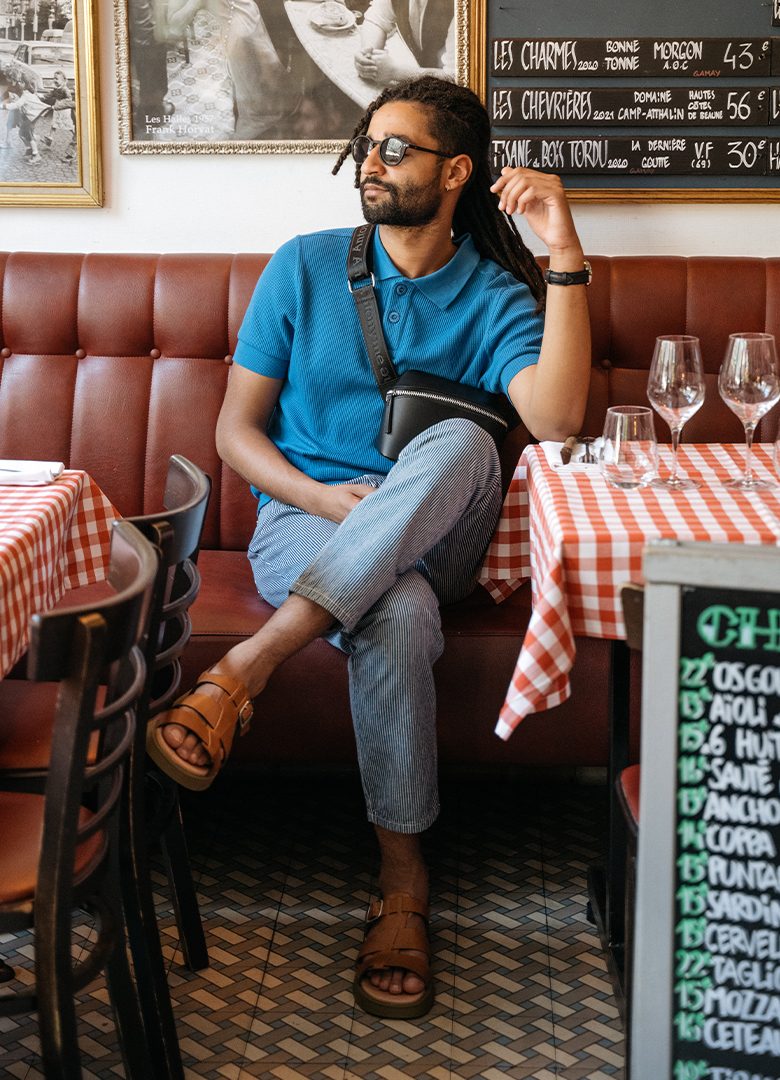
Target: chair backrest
<point>87,648</point>
<point>176,532</point>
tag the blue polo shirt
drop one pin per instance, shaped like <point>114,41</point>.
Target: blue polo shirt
<point>471,321</point>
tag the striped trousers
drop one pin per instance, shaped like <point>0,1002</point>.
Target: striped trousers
<point>411,545</point>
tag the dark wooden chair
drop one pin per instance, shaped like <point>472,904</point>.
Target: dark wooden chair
<point>176,530</point>
<point>61,846</point>
<point>154,799</point>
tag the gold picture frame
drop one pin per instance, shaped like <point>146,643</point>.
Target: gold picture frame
<point>50,108</point>
<point>200,110</point>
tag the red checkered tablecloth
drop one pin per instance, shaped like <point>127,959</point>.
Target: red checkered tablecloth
<point>53,537</point>
<point>579,540</point>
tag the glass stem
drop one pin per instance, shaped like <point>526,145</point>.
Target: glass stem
<point>676,431</point>
<point>749,429</point>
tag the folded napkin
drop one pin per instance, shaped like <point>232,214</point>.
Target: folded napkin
<point>552,451</point>
<point>29,472</point>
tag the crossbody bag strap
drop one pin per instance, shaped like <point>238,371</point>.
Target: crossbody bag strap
<point>360,279</point>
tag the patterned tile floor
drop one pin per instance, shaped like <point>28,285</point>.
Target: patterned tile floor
<point>285,867</point>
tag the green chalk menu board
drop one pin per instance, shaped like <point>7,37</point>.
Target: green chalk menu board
<point>726,962</point>
<point>706,946</point>
<point>636,99</point>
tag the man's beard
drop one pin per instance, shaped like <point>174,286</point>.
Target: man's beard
<point>405,207</point>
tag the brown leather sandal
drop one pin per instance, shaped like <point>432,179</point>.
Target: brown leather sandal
<point>390,934</point>
<point>213,721</point>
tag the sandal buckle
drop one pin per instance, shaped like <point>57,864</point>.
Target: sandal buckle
<point>245,714</point>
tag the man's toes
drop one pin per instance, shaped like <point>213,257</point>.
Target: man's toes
<point>174,735</point>
<point>187,745</point>
<point>396,981</point>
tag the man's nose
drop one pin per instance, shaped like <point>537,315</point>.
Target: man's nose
<point>373,162</point>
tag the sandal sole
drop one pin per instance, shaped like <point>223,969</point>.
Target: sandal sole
<point>168,761</point>
<point>387,1010</point>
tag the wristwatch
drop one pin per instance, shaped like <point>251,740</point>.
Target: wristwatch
<point>569,277</point>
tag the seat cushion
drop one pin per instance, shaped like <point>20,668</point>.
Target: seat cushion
<point>628,787</point>
<point>21,826</point>
<point>228,604</point>
<point>26,719</point>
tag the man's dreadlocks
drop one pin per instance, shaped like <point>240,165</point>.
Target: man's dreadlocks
<point>460,124</point>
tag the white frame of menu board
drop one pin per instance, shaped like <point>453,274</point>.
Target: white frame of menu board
<point>668,566</point>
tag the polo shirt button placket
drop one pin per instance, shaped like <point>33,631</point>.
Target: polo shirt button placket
<point>393,317</point>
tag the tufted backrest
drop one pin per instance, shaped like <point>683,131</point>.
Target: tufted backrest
<point>633,299</point>
<point>111,363</point>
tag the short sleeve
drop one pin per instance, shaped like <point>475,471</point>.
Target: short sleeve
<point>266,334</point>
<point>516,331</point>
<point>381,14</point>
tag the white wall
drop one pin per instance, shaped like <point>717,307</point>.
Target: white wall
<point>253,203</point>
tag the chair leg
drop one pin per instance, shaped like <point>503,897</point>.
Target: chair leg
<point>185,900</point>
<point>57,1024</point>
<point>629,951</point>
<point>150,982</point>
<point>139,1052</point>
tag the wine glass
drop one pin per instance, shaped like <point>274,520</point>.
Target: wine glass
<point>750,385</point>
<point>675,389</point>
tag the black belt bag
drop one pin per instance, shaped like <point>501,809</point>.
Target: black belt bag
<point>415,400</point>
<point>418,400</point>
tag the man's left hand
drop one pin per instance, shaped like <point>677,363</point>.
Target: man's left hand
<point>541,199</point>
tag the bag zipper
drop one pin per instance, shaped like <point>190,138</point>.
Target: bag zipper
<point>459,402</point>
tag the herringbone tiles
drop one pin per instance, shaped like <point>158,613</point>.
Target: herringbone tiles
<point>285,869</point>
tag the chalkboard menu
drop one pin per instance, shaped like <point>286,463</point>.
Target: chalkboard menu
<point>726,949</point>
<point>662,99</point>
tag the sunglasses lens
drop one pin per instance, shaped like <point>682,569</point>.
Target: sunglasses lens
<point>361,148</point>
<point>392,151</point>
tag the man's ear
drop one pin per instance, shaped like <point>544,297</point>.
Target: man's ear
<point>457,171</point>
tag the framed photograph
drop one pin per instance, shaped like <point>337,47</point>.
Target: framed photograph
<point>49,104</point>
<point>271,76</point>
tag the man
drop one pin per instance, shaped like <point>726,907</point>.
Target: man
<point>347,546</point>
<point>28,107</point>
<point>149,59</point>
<point>63,113</point>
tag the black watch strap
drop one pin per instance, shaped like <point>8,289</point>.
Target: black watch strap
<point>569,277</point>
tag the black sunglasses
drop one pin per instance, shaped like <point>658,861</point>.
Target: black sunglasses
<point>391,150</point>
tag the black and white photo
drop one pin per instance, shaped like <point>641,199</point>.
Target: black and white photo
<point>48,104</point>
<point>236,76</point>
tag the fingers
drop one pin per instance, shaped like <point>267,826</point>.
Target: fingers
<point>366,67</point>
<point>517,189</point>
<point>359,490</point>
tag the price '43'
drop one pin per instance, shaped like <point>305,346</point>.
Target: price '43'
<point>739,56</point>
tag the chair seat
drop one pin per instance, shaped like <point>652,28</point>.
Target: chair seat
<point>26,716</point>
<point>21,826</point>
<point>629,791</point>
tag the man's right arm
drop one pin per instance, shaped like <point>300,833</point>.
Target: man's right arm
<point>243,444</point>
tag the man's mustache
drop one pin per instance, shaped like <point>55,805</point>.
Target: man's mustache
<point>376,183</point>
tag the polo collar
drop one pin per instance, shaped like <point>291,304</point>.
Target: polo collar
<point>441,287</point>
